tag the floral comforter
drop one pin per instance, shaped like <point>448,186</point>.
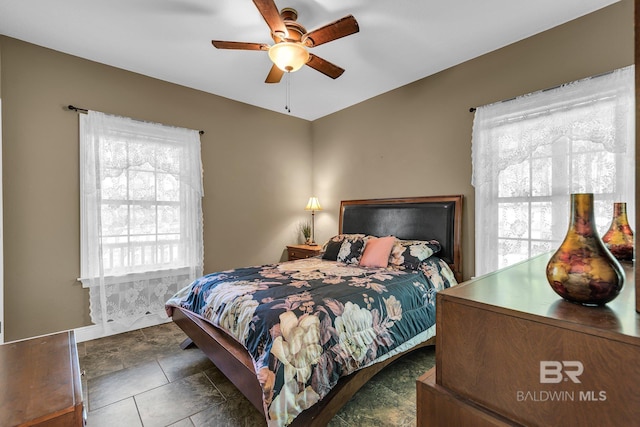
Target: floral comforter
<point>306,323</point>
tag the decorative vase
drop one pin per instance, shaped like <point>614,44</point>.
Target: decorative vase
<point>619,237</point>
<point>583,270</point>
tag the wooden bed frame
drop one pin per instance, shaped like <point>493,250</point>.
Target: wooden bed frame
<point>419,218</point>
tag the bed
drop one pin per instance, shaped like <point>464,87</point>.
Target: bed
<point>300,350</point>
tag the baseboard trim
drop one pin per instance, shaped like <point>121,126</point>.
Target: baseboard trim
<point>87,333</point>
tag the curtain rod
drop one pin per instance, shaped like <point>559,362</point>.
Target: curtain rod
<point>473,109</point>
<point>85,111</point>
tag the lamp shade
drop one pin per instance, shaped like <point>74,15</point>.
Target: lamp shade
<point>288,56</point>
<point>313,204</point>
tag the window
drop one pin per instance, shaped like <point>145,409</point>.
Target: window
<point>141,215</point>
<point>531,153</point>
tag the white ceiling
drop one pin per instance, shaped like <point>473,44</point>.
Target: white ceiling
<point>400,41</point>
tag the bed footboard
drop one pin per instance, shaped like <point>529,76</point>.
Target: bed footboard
<point>231,358</point>
<point>234,362</point>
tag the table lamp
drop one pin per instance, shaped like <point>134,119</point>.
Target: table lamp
<point>313,205</point>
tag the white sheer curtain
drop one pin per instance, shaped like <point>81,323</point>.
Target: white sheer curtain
<point>141,217</point>
<point>529,154</point>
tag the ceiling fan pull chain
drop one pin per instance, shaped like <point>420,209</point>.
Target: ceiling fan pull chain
<point>287,106</point>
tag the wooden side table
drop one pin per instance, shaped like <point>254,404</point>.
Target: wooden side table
<point>40,382</point>
<point>303,251</point>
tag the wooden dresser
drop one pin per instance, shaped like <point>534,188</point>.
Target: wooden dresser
<point>40,382</point>
<point>302,251</point>
<point>510,351</point>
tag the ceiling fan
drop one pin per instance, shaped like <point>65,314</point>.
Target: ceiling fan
<point>290,51</point>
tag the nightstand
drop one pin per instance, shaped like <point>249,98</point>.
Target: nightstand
<point>302,251</point>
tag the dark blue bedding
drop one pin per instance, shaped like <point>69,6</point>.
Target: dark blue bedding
<point>306,323</point>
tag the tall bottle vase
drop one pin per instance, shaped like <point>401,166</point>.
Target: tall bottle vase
<point>619,237</point>
<point>583,270</point>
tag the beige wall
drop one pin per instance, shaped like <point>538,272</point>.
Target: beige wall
<point>255,164</point>
<point>413,141</point>
<point>416,140</point>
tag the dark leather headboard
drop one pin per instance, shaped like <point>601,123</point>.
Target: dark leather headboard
<point>418,218</point>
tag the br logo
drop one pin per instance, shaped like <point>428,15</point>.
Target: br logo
<point>553,371</point>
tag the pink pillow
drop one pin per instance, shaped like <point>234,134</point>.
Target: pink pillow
<point>377,251</point>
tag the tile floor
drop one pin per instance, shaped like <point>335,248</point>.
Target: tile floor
<point>143,378</point>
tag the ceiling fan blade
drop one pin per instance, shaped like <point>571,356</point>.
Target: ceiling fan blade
<point>324,66</point>
<point>239,45</point>
<point>275,75</point>
<point>271,15</point>
<point>340,28</point>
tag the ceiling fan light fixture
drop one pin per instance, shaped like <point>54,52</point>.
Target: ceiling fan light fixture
<point>288,56</point>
